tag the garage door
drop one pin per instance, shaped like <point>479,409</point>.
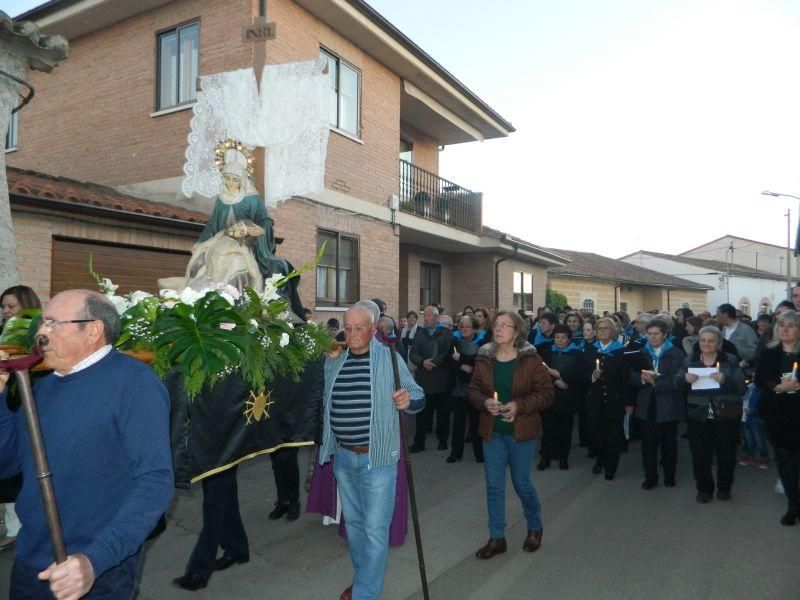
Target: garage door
<point>130,267</point>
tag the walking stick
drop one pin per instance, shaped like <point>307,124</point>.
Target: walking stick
<point>411,494</point>
<point>20,366</point>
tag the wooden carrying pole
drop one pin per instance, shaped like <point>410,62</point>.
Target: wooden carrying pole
<point>411,494</point>
<point>20,367</point>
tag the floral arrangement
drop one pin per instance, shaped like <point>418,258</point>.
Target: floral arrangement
<point>212,333</point>
<point>20,329</point>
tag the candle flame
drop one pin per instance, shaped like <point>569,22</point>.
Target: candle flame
<point>495,395</point>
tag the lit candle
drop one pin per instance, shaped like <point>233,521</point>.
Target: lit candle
<point>597,364</point>
<point>718,365</point>
<point>495,396</point>
<point>794,371</point>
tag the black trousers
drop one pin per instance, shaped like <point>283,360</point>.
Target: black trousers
<point>708,439</point>
<point>789,470</point>
<point>655,435</point>
<point>287,474</point>
<point>222,524</point>
<point>438,403</point>
<point>556,433</point>
<point>463,411</point>
<point>584,428</point>
<point>606,439</point>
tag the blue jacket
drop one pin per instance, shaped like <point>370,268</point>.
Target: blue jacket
<point>384,423</point>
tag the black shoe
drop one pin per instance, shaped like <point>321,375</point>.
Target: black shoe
<point>452,459</point>
<point>609,476</point>
<point>442,446</point>
<point>281,508</point>
<point>649,484</point>
<point>597,468</point>
<point>790,518</point>
<point>669,482</point>
<point>224,562</point>
<point>543,464</point>
<point>414,448</point>
<point>563,464</point>
<point>190,582</point>
<point>293,511</point>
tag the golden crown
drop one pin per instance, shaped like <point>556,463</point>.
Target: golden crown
<point>221,149</point>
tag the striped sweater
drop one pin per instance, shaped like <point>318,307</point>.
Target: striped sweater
<point>351,402</point>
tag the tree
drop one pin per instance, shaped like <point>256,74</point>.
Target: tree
<point>555,299</point>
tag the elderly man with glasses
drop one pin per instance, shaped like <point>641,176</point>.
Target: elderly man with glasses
<point>361,431</point>
<point>105,422</point>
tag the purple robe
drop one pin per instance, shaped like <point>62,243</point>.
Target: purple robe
<point>322,498</point>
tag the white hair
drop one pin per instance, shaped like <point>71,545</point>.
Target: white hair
<point>371,308</point>
<point>433,309</point>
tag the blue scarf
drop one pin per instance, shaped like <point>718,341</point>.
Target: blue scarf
<point>615,345</point>
<point>652,352</point>
<point>476,339</point>
<point>565,350</point>
<point>540,339</point>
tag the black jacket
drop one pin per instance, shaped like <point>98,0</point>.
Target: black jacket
<point>781,412</point>
<point>438,347</point>
<point>605,398</point>
<point>669,399</point>
<point>730,391</point>
<point>568,365</point>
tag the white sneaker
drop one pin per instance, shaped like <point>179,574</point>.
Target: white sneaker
<point>779,487</point>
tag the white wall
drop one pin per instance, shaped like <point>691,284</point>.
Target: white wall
<point>764,257</point>
<point>751,288</point>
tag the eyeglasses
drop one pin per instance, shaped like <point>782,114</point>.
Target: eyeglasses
<point>51,324</point>
<point>359,330</point>
<point>503,325</point>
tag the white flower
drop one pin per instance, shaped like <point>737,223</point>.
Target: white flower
<point>120,303</point>
<point>227,297</point>
<point>169,294</point>
<point>228,290</point>
<point>190,296</point>
<point>284,340</point>
<point>253,322</point>
<point>138,296</point>
<point>108,286</point>
<point>227,326</point>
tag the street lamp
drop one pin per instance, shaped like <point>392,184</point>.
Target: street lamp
<point>788,239</point>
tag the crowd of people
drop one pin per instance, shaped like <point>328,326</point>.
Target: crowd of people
<point>508,384</point>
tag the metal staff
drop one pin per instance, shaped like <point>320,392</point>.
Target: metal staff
<point>411,494</point>
<point>20,366</point>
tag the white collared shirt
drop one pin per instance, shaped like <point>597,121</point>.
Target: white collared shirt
<point>93,358</point>
<point>729,329</point>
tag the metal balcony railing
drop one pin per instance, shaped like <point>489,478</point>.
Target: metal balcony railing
<point>427,195</point>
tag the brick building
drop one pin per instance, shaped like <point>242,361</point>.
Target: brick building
<point>599,284</point>
<point>117,112</point>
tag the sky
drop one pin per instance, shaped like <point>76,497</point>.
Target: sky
<point>641,124</point>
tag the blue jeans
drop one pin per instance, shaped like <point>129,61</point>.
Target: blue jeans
<point>754,438</point>
<point>498,453</point>
<point>367,504</point>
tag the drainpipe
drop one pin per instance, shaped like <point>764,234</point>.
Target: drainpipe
<point>617,289</point>
<point>497,273</point>
<point>669,308</point>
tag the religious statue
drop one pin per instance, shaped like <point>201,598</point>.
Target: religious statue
<point>237,246</point>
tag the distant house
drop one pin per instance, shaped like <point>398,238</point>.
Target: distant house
<point>752,291</point>
<point>598,283</point>
<point>758,256</point>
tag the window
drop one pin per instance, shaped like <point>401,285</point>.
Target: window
<point>623,306</point>
<point>345,93</point>
<point>11,136</point>
<point>523,291</point>
<point>177,60</point>
<point>587,304</point>
<point>406,151</point>
<point>337,271</point>
<point>430,284</point>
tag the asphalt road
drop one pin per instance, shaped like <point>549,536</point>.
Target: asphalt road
<point>602,540</point>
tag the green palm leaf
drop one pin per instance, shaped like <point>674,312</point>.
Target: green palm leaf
<point>22,327</point>
<point>197,343</point>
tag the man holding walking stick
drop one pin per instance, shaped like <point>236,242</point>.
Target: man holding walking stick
<point>361,431</point>
<point>105,426</point>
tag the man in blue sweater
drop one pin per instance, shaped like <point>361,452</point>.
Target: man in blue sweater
<point>105,422</point>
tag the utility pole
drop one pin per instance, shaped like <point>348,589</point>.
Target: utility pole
<point>789,253</point>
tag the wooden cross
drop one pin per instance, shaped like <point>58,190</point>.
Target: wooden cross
<point>258,34</point>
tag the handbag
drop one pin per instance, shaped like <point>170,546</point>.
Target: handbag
<point>726,409</point>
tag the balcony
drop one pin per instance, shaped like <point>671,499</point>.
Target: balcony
<point>427,195</point>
